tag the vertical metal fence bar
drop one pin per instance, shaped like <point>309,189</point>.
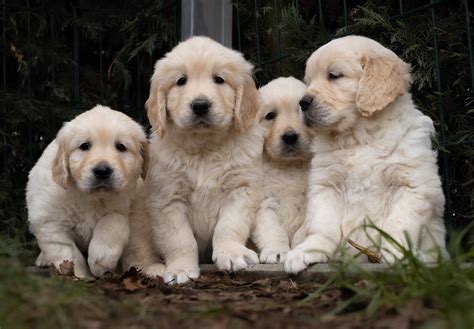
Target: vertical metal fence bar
<point>277,36</point>
<point>76,61</point>
<point>320,8</point>
<point>259,60</point>
<point>139,115</point>
<point>439,104</point>
<point>4,98</point>
<point>52,39</point>
<point>345,12</point>
<point>126,99</point>
<point>28,80</point>
<point>469,44</point>
<point>101,64</point>
<point>176,29</point>
<point>400,6</point>
<point>150,58</point>
<point>237,6</point>
<point>300,45</point>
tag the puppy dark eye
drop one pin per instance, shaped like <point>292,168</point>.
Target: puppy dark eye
<point>334,76</point>
<point>120,147</point>
<point>181,81</point>
<point>217,79</point>
<point>85,146</point>
<point>270,116</point>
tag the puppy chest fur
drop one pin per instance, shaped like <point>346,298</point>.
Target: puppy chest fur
<point>203,181</point>
<point>285,192</point>
<point>370,178</point>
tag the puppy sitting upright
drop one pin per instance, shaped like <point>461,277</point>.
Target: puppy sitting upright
<point>373,162</point>
<point>79,191</point>
<point>201,196</point>
<point>286,158</point>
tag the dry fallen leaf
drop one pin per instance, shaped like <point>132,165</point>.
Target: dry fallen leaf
<point>20,58</point>
<point>373,256</point>
<point>66,268</point>
<point>132,284</point>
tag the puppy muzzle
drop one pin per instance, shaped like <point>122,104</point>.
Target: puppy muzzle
<point>103,178</point>
<point>316,115</point>
<point>201,113</point>
<point>290,145</point>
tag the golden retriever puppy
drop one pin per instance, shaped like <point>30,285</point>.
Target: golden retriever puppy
<point>79,192</point>
<point>286,158</point>
<point>203,189</point>
<point>373,160</point>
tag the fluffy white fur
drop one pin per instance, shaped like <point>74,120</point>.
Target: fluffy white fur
<point>286,161</point>
<point>199,201</point>
<point>373,158</point>
<point>69,210</point>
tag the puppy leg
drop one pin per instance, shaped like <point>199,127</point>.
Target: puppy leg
<point>270,237</point>
<point>298,237</point>
<point>322,224</point>
<point>175,239</point>
<point>57,246</point>
<point>41,260</point>
<point>232,231</point>
<point>140,251</point>
<point>110,236</point>
<point>412,225</point>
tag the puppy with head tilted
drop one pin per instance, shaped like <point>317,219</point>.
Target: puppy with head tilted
<point>373,161</point>
<point>79,192</point>
<point>200,198</point>
<point>286,158</point>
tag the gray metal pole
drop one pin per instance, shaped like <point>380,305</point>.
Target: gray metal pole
<point>212,18</point>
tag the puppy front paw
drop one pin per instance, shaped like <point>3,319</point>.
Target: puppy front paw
<point>153,270</point>
<point>180,273</point>
<point>273,256</point>
<point>297,260</point>
<point>101,266</point>
<point>42,261</point>
<point>68,267</point>
<point>234,259</point>
<point>102,261</point>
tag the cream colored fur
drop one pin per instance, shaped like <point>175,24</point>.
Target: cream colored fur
<point>200,198</point>
<point>285,169</point>
<point>68,212</point>
<point>373,159</point>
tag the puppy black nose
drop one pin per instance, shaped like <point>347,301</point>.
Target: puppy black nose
<point>290,138</point>
<point>102,172</point>
<point>305,102</point>
<point>200,106</point>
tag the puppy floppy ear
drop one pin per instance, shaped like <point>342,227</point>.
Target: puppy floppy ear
<point>247,103</point>
<point>156,106</point>
<point>60,167</point>
<point>145,159</point>
<point>384,79</point>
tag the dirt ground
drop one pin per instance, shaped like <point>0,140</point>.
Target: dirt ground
<point>220,300</point>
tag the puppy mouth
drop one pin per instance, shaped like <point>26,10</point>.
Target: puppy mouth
<point>284,152</point>
<point>202,124</point>
<point>102,187</point>
<point>316,117</point>
<point>290,149</point>
<point>293,152</point>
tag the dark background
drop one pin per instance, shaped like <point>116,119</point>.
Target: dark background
<point>60,58</point>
